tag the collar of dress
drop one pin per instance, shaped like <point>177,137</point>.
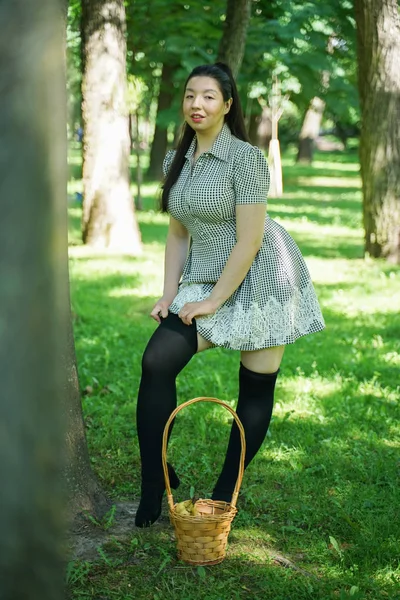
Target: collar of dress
<point>220,147</point>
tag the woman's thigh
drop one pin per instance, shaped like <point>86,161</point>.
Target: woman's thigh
<point>267,360</point>
<point>203,344</point>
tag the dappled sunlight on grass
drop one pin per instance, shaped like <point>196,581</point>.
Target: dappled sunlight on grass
<point>344,167</point>
<point>329,182</point>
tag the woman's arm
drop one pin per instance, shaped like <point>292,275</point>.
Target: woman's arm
<point>250,220</point>
<point>176,250</point>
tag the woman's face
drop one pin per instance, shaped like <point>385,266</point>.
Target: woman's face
<point>204,107</point>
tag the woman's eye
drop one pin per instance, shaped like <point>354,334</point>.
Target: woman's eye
<point>189,96</point>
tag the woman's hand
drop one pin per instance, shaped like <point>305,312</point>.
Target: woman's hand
<point>196,309</point>
<point>160,310</point>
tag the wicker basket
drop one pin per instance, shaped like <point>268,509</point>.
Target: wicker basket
<point>202,539</point>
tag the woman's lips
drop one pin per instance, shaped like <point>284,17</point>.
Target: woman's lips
<point>197,118</point>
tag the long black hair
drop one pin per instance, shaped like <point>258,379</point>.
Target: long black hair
<point>224,78</point>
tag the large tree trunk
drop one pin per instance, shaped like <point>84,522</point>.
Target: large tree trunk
<point>233,41</point>
<point>378,33</point>
<point>160,139</point>
<point>310,130</point>
<point>33,299</point>
<point>108,209</point>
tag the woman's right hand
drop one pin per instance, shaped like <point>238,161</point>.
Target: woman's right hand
<point>160,310</point>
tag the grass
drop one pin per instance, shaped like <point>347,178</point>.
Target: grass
<point>323,491</point>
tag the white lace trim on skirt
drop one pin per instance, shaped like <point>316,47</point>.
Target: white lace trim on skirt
<point>274,324</point>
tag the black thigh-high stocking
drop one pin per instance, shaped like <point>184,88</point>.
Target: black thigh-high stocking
<point>254,409</point>
<point>170,348</point>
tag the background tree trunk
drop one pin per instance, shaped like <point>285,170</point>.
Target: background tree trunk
<point>82,487</point>
<point>33,298</point>
<point>233,41</point>
<point>310,130</point>
<point>108,209</point>
<point>378,37</point>
<point>160,139</point>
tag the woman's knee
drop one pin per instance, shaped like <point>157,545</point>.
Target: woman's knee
<point>152,359</point>
<point>267,360</point>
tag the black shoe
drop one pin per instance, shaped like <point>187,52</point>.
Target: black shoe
<point>222,495</point>
<point>150,502</point>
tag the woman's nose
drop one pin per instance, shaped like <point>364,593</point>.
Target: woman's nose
<point>196,102</point>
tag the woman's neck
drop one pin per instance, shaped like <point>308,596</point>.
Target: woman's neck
<point>204,141</point>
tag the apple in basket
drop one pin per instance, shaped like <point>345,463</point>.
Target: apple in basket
<point>186,508</point>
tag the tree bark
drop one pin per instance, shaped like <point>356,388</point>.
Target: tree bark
<point>378,41</point>
<point>233,42</point>
<point>33,299</point>
<point>82,487</point>
<point>108,209</point>
<point>160,139</point>
<point>310,130</point>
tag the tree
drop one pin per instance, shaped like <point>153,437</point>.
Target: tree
<point>165,41</point>
<point>310,129</point>
<point>276,106</point>
<point>83,490</point>
<point>378,38</point>
<point>33,298</point>
<point>108,210</point>
<point>233,41</point>
<point>291,40</point>
<point>160,139</point>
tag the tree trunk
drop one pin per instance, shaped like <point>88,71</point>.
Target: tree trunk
<point>160,139</point>
<point>108,210</point>
<point>138,151</point>
<point>378,40</point>
<point>33,299</point>
<point>233,41</point>
<point>275,167</point>
<point>83,489</point>
<point>264,129</point>
<point>252,127</point>
<point>310,130</point>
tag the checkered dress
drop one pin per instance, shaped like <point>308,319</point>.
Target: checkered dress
<point>276,302</point>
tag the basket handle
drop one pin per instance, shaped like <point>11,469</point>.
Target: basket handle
<point>165,440</point>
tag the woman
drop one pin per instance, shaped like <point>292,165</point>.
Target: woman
<point>233,278</point>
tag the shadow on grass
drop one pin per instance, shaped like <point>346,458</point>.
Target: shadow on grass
<point>323,247</point>
<point>328,209</point>
<point>74,223</point>
<point>74,171</point>
<point>153,232</point>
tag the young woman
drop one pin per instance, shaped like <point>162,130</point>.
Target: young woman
<point>233,278</point>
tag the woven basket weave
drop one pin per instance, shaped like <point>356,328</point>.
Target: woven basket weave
<point>202,539</point>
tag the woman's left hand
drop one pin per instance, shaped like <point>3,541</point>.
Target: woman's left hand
<point>196,309</point>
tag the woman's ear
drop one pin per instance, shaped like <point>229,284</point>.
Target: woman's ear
<point>228,105</point>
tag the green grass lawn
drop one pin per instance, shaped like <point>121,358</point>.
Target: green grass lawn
<point>323,492</point>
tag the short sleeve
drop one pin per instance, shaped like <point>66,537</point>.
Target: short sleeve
<point>169,157</point>
<point>251,176</point>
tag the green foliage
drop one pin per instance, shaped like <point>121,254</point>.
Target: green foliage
<point>299,41</point>
<point>288,39</point>
<point>323,491</point>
